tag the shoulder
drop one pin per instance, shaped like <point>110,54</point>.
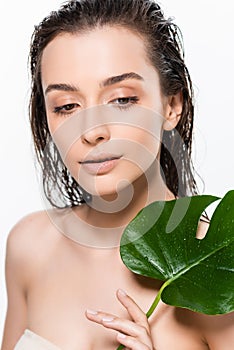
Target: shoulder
<point>218,330</point>
<point>30,243</point>
<point>27,228</point>
<point>202,229</point>
<point>29,236</point>
<point>29,220</point>
<point>22,254</point>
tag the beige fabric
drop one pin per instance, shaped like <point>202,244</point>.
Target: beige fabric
<point>32,341</point>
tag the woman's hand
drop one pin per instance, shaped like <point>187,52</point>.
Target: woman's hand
<point>135,334</point>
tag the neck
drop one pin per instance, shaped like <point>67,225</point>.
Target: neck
<point>101,223</point>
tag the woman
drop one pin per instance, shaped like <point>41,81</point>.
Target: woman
<point>112,116</point>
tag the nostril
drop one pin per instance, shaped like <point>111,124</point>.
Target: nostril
<point>96,135</point>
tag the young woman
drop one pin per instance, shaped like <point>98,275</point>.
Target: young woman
<point>111,113</point>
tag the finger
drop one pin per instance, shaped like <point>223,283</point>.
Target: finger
<point>132,343</point>
<point>135,312</point>
<point>100,317</point>
<point>122,325</point>
<point>116,323</point>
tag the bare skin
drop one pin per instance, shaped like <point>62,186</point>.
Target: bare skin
<point>49,293</point>
<point>53,281</point>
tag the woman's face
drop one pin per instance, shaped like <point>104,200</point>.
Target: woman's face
<point>104,105</point>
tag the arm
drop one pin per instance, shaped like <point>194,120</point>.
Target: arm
<point>15,272</point>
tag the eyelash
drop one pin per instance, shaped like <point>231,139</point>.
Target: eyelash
<point>69,108</point>
<point>65,109</point>
<point>131,101</point>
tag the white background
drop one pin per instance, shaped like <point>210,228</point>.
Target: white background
<point>207,27</point>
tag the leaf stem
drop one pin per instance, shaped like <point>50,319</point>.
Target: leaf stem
<point>155,303</point>
<point>120,347</point>
<point>152,307</point>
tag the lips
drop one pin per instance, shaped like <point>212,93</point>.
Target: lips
<point>100,164</point>
<point>91,161</point>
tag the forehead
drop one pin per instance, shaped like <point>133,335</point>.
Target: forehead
<point>99,52</point>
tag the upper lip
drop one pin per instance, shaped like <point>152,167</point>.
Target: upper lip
<point>99,158</point>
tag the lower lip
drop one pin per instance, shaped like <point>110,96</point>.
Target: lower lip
<point>100,168</point>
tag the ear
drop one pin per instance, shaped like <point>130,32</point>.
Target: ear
<point>173,110</point>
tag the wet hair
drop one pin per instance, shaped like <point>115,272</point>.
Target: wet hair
<point>164,49</point>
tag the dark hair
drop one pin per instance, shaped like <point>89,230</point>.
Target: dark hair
<point>165,51</point>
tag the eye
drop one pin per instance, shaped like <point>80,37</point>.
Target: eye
<point>125,102</point>
<point>66,109</point>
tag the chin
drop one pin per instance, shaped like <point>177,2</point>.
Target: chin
<point>108,186</point>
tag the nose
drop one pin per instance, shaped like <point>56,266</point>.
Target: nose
<point>96,135</point>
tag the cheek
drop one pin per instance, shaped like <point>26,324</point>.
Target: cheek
<point>65,134</point>
<point>148,140</point>
<point>71,160</point>
<point>138,147</point>
<point>52,126</point>
<point>53,123</point>
<point>147,136</point>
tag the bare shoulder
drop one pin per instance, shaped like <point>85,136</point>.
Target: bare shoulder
<point>28,228</point>
<point>29,221</point>
<point>28,236</point>
<point>23,252</point>
<point>215,331</point>
<point>218,330</point>
<point>202,229</point>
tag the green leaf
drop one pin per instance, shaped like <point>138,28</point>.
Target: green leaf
<point>160,242</point>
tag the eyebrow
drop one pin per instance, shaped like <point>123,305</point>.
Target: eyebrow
<point>107,82</point>
<point>119,78</point>
<point>60,87</point>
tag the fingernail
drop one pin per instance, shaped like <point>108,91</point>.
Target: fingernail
<point>121,335</point>
<point>91,312</point>
<point>122,292</point>
<point>107,319</point>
